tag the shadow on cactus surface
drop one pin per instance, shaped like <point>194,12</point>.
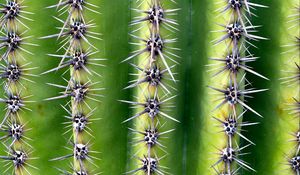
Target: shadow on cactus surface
<point>150,87</point>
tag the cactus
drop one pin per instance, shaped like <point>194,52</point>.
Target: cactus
<point>232,66</point>
<point>179,103</point>
<point>290,86</point>
<point>15,74</point>
<point>154,75</point>
<point>78,55</point>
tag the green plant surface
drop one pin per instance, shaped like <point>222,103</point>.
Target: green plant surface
<point>46,117</point>
<point>192,146</point>
<point>193,94</point>
<point>274,132</point>
<point>112,142</point>
<point>164,121</point>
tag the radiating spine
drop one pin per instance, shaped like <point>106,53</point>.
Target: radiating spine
<point>15,73</point>
<point>155,72</point>
<point>78,58</point>
<point>291,83</point>
<point>231,69</point>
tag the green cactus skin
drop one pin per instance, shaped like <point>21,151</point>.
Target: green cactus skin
<point>115,43</point>
<point>272,135</point>
<point>196,136</point>
<point>290,87</point>
<point>16,76</point>
<point>221,142</point>
<point>78,56</point>
<point>151,129</point>
<point>46,120</point>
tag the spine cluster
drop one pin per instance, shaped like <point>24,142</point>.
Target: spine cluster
<point>232,68</point>
<point>154,71</point>
<point>15,74</point>
<point>292,80</point>
<point>78,60</point>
